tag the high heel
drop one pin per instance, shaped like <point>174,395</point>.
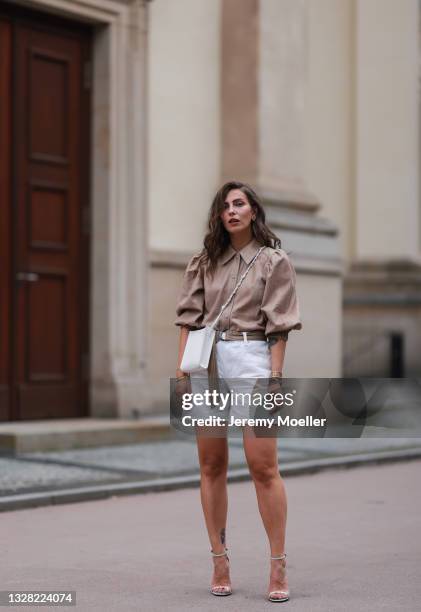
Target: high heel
<point>221,590</point>
<point>280,595</point>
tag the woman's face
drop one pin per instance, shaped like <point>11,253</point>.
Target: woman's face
<point>238,213</point>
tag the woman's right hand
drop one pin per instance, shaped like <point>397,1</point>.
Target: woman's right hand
<point>183,385</point>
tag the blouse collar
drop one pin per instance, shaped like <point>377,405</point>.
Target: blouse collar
<point>247,253</point>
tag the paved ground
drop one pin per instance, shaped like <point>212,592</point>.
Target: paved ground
<point>353,543</point>
<point>43,478</point>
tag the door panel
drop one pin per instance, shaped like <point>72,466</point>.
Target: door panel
<point>50,277</point>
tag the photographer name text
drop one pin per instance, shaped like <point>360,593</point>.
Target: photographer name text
<point>286,421</point>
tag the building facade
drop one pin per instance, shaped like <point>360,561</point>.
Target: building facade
<point>123,117</point>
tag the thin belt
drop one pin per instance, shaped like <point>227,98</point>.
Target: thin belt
<point>239,335</point>
<point>227,336</point>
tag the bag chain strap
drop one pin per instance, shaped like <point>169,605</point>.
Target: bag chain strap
<point>238,285</point>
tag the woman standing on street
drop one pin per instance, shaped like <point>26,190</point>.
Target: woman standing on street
<point>251,342</point>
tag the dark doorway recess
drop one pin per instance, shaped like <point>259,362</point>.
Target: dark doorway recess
<point>397,355</point>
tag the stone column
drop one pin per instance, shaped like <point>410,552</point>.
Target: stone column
<point>282,93</point>
<point>264,77</point>
<point>239,90</point>
<point>264,80</point>
<point>119,233</point>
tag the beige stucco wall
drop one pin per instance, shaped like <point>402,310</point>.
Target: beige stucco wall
<point>184,124</point>
<point>387,138</point>
<point>315,350</point>
<point>164,286</point>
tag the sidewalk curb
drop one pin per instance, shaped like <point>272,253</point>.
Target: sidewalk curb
<point>295,468</point>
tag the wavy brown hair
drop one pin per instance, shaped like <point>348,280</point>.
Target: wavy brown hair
<point>217,238</point>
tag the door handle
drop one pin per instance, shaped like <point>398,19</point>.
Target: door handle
<point>27,276</point>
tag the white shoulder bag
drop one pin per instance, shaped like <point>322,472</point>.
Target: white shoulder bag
<point>200,341</point>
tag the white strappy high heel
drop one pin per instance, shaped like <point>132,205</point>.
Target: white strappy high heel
<point>280,595</point>
<point>221,590</point>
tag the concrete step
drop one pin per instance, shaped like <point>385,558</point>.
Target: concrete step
<point>65,434</point>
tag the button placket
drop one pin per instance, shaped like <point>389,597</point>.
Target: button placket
<point>236,278</point>
<point>231,285</point>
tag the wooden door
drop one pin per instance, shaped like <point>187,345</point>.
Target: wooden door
<point>49,282</point>
<point>5,219</point>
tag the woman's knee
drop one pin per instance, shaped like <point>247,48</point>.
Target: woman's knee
<point>213,467</point>
<point>264,473</point>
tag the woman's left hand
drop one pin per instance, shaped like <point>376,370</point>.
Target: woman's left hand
<point>275,386</point>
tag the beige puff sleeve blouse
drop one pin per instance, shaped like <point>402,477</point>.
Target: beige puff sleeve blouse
<point>190,306</point>
<point>266,301</point>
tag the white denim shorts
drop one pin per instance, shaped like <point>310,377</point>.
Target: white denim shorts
<point>235,360</point>
<point>239,359</point>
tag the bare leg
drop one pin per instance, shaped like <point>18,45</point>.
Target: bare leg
<point>262,459</point>
<point>213,461</point>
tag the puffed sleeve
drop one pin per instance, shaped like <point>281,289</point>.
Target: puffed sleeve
<point>190,303</point>
<point>280,302</point>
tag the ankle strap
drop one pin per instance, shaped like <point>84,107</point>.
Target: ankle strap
<point>278,558</point>
<point>219,554</point>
